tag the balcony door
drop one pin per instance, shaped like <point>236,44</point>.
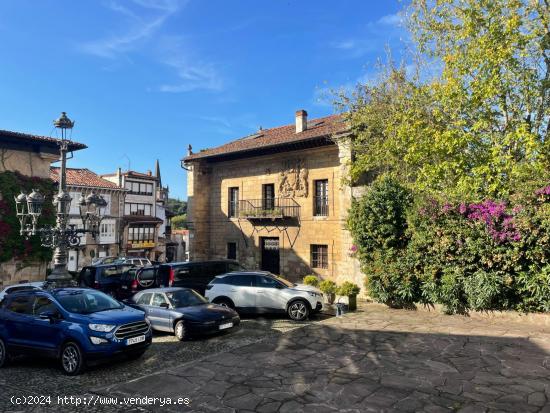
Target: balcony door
<point>270,254</point>
<point>268,197</point>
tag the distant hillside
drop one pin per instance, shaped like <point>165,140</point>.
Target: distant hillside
<point>176,206</point>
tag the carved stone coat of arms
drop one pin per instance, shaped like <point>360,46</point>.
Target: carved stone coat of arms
<point>293,180</point>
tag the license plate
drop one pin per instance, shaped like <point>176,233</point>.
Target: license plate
<point>134,340</point>
<point>226,325</point>
<point>124,287</point>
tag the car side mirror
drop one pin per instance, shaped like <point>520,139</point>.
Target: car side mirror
<point>50,315</point>
<point>164,305</point>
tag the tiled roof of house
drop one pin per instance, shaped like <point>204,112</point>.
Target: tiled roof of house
<point>265,138</point>
<point>29,138</point>
<point>83,177</point>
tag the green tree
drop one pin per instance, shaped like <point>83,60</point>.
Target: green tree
<point>176,206</point>
<point>179,221</point>
<point>479,127</point>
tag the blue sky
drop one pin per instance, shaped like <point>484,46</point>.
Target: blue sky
<point>145,78</point>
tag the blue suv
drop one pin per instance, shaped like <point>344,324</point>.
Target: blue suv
<point>77,326</point>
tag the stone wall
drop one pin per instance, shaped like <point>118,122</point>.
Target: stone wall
<point>13,272</point>
<point>211,229</point>
<point>26,163</point>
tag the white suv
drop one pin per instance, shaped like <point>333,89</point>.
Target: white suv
<point>258,291</point>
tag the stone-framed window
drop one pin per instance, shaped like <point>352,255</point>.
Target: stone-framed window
<point>319,256</point>
<point>320,199</point>
<point>233,207</point>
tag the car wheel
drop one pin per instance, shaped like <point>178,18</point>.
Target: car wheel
<point>224,302</point>
<point>180,331</point>
<point>298,310</point>
<point>72,360</point>
<point>3,354</point>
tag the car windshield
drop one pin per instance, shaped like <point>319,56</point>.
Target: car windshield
<point>283,281</point>
<point>86,302</point>
<point>185,298</point>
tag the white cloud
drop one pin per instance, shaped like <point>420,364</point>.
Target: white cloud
<point>391,19</point>
<point>344,44</point>
<point>142,33</point>
<point>371,37</point>
<point>192,77</point>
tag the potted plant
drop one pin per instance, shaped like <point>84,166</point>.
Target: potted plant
<point>311,280</point>
<point>350,290</point>
<point>329,289</point>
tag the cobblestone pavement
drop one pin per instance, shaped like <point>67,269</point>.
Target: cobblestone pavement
<point>372,360</point>
<point>41,377</point>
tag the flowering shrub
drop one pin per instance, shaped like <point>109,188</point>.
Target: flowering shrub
<point>13,245</point>
<point>490,255</point>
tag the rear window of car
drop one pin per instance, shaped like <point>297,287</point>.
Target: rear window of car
<point>21,304</point>
<point>242,280</point>
<point>145,299</point>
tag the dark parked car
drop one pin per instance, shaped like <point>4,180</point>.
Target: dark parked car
<point>184,312</point>
<point>195,274</point>
<point>105,278</point>
<point>137,279</point>
<point>77,326</point>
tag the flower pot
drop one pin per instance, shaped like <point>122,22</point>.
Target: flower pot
<point>330,297</point>
<point>352,303</point>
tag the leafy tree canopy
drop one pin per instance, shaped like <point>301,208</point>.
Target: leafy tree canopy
<point>177,206</point>
<point>179,221</point>
<point>479,127</point>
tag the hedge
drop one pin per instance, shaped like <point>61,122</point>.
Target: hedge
<point>489,255</point>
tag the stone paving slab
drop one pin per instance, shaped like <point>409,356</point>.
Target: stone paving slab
<point>376,359</point>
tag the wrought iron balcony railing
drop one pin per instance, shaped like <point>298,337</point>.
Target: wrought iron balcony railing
<point>268,208</point>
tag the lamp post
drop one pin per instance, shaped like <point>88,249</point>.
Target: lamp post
<point>62,236</point>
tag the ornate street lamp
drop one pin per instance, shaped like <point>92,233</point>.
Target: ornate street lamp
<point>62,236</point>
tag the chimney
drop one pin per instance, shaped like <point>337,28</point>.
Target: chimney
<point>149,172</point>
<point>119,177</point>
<point>301,120</point>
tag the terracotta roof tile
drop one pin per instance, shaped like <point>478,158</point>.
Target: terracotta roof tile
<point>73,146</point>
<point>316,128</point>
<point>83,177</point>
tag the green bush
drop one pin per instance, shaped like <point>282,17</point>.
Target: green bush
<point>348,289</point>
<point>378,220</point>
<point>328,287</point>
<point>311,280</point>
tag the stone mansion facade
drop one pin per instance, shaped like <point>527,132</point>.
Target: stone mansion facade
<point>276,200</point>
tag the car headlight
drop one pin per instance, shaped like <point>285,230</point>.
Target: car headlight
<point>103,328</point>
<point>314,294</point>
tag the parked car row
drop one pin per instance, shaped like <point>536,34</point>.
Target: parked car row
<point>138,261</point>
<point>124,280</point>
<point>81,326</point>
